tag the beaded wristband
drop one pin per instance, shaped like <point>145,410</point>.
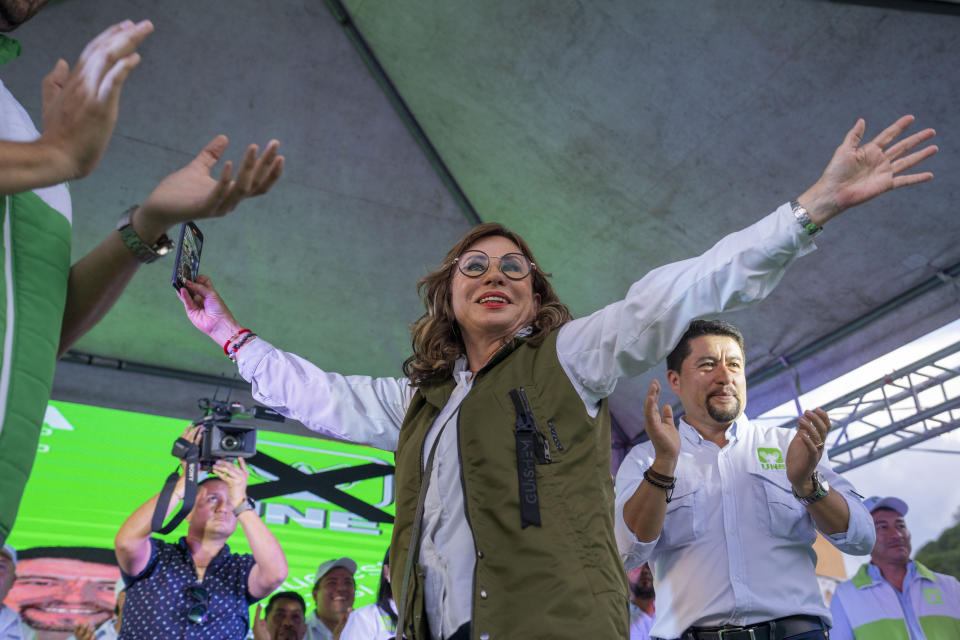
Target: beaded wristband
<point>232,338</point>
<point>236,346</point>
<point>651,478</point>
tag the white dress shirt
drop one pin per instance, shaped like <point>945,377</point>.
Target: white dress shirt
<point>623,339</point>
<point>736,546</point>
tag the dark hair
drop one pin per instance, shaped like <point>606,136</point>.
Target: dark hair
<point>384,594</point>
<point>85,554</point>
<point>288,595</point>
<point>436,337</point>
<point>696,329</point>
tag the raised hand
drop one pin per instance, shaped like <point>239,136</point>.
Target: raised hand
<point>857,173</point>
<point>236,476</point>
<point>661,430</point>
<point>806,449</point>
<point>260,631</point>
<point>191,193</point>
<point>83,631</point>
<point>207,311</point>
<point>80,106</point>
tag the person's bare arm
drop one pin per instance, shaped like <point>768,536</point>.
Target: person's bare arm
<point>270,569</point>
<point>645,511</point>
<point>831,513</point>
<point>132,543</point>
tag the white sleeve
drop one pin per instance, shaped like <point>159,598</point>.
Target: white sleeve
<point>626,338</point>
<point>357,409</point>
<point>861,533</point>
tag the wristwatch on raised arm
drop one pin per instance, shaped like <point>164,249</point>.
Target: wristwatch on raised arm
<point>246,505</point>
<point>140,249</point>
<point>820,490</point>
<point>803,219</point>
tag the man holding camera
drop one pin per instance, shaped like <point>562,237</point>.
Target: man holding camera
<point>197,588</point>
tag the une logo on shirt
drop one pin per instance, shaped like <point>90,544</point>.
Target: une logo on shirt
<point>933,596</point>
<point>770,458</point>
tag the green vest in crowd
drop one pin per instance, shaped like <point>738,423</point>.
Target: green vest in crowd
<point>562,579</point>
<point>875,613</point>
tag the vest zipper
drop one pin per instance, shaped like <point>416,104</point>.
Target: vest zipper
<point>527,422</point>
<point>556,438</point>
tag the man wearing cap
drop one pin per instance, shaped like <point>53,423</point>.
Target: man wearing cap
<point>109,629</point>
<point>893,597</point>
<point>333,593</point>
<point>725,510</point>
<point>11,626</point>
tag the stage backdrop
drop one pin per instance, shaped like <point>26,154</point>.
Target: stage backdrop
<point>94,466</point>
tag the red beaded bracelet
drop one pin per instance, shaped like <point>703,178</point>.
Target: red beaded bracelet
<point>232,338</point>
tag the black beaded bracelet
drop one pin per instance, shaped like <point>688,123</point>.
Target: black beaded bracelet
<point>667,487</point>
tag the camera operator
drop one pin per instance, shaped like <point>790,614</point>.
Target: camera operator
<point>197,588</point>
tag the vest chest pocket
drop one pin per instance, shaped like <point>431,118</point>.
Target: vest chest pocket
<point>786,517</point>
<point>682,522</point>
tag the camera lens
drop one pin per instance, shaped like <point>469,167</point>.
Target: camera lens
<point>230,442</point>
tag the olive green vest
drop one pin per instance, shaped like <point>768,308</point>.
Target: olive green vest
<point>562,579</point>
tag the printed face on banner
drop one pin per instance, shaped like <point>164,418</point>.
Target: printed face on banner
<point>54,594</point>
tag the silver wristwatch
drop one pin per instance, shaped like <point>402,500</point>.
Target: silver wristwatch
<point>140,249</point>
<point>246,505</point>
<point>820,490</point>
<point>803,219</point>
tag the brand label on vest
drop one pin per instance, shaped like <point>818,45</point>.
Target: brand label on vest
<point>770,458</point>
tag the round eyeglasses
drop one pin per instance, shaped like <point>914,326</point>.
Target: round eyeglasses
<point>200,596</point>
<point>474,263</point>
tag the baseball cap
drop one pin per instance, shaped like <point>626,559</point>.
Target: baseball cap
<point>10,552</point>
<point>876,502</point>
<point>329,565</point>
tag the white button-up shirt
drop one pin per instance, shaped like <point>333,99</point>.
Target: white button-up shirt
<point>736,546</point>
<point>623,339</point>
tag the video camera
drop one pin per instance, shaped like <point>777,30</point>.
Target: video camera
<point>222,439</point>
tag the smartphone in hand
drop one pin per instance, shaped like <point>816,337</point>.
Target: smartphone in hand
<point>187,265</point>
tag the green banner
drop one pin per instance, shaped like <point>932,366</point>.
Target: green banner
<point>95,466</point>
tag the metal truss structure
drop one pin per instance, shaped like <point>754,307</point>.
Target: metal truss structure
<point>909,406</point>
